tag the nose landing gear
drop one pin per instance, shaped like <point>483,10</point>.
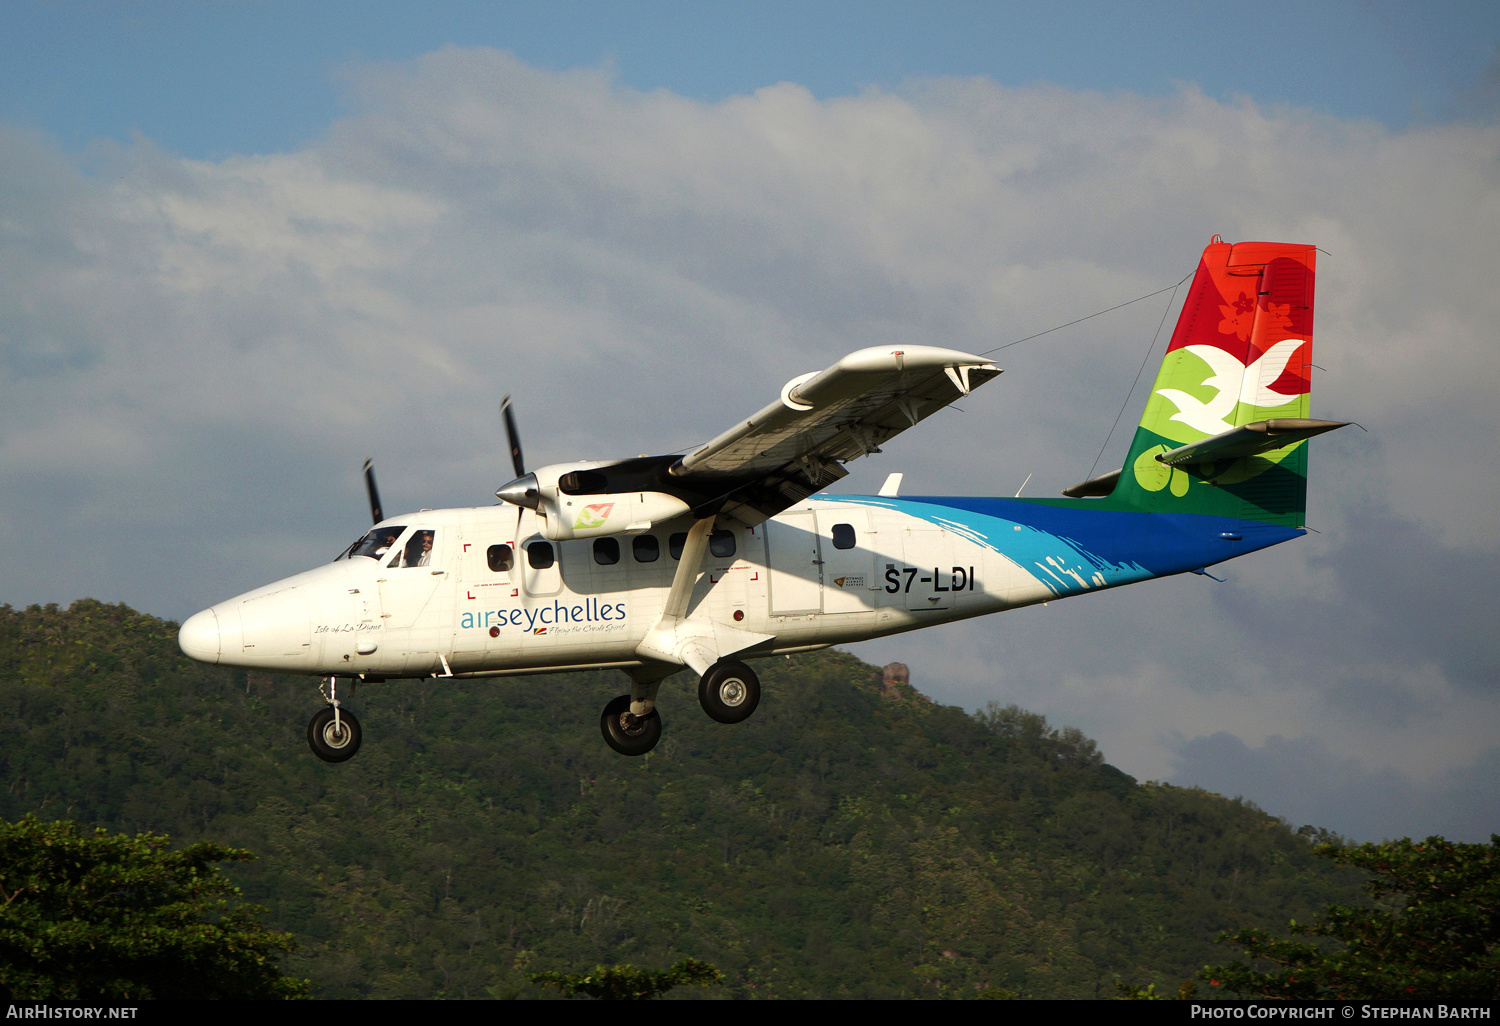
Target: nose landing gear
<point>333,734</point>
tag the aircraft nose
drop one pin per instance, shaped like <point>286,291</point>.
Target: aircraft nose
<point>199,637</point>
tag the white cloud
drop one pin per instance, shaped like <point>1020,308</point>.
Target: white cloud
<point>197,354</point>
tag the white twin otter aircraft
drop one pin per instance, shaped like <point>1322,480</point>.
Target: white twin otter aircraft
<point>730,552</point>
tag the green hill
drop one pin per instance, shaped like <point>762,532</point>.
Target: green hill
<point>852,839</point>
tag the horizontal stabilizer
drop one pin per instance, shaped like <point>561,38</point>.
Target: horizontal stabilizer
<point>1249,440</point>
<point>1094,486</point>
<point>1236,443</point>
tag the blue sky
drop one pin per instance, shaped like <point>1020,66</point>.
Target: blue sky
<point>245,245</point>
<point>209,79</point>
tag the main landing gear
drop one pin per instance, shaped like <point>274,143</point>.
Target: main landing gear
<point>333,733</point>
<point>627,732</point>
<point>728,692</point>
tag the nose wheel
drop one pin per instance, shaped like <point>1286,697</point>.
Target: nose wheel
<point>333,733</point>
<point>330,740</point>
<point>626,732</point>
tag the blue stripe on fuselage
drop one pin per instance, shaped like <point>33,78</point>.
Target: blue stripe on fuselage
<point>1073,548</point>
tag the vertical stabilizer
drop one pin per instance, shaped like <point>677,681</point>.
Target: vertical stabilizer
<point>1241,356</point>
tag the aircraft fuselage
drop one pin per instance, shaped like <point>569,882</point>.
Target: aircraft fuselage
<point>489,596</point>
<point>648,564</point>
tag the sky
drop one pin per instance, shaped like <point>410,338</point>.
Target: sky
<point>245,245</point>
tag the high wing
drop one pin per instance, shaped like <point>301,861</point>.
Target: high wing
<point>798,444</point>
<point>761,466</point>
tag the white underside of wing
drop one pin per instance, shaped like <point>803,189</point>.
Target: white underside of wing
<point>844,412</point>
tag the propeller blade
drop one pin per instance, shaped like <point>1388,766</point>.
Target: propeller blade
<point>513,437</point>
<point>375,510</point>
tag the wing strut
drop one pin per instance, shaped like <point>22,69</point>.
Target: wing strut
<point>693,551</point>
<point>694,643</point>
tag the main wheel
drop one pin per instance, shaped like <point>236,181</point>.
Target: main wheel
<point>627,733</point>
<point>729,691</point>
<point>333,742</point>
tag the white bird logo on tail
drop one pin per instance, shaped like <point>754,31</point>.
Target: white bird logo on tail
<point>1235,383</point>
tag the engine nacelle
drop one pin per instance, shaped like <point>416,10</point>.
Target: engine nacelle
<point>591,500</point>
<point>592,516</point>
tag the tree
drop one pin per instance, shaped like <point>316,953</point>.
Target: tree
<point>111,917</point>
<point>1434,930</point>
<point>1031,733</point>
<point>627,983</point>
<point>1130,992</point>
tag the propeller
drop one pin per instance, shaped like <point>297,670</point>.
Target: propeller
<point>523,490</point>
<point>513,437</point>
<point>375,508</point>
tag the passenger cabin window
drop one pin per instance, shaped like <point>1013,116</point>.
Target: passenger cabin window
<point>539,554</point>
<point>843,536</point>
<point>606,551</point>
<point>645,548</point>
<point>378,542</point>
<point>721,544</point>
<point>500,558</point>
<point>675,544</point>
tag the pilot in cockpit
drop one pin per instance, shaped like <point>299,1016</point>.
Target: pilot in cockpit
<point>419,549</point>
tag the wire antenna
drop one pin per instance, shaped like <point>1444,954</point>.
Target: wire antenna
<point>1139,370</point>
<point>1120,306</point>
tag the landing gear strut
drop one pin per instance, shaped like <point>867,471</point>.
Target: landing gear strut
<point>333,733</point>
<point>626,732</point>
<point>729,691</point>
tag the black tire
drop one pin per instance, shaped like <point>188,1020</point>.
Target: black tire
<point>326,742</point>
<point>729,691</point>
<point>627,734</point>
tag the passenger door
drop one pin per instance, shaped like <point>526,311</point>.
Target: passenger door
<point>793,554</point>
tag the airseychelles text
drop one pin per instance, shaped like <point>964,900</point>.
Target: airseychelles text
<point>589,611</point>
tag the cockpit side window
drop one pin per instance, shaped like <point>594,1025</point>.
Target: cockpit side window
<point>378,542</point>
<point>418,550</point>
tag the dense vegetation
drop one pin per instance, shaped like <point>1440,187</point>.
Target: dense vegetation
<point>852,839</point>
<point>627,983</point>
<point>95,916</point>
<point>1434,930</point>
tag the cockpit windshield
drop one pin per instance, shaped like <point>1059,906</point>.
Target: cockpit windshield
<point>377,543</point>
